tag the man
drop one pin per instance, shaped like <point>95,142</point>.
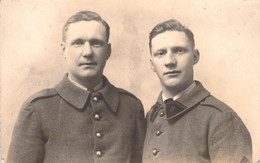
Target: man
<point>187,123</point>
<point>84,118</point>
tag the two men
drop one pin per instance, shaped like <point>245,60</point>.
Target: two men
<point>187,123</point>
<point>84,118</point>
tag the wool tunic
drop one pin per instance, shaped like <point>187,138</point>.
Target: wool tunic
<point>206,130</point>
<point>67,124</point>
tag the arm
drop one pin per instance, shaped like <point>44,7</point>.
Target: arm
<point>229,139</point>
<point>27,145</point>
<point>138,139</point>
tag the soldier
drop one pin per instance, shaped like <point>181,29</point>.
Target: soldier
<point>187,123</point>
<point>84,118</point>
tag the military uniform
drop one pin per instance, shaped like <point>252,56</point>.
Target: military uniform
<point>204,130</point>
<point>67,124</point>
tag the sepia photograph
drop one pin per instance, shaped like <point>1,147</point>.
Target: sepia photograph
<point>130,81</point>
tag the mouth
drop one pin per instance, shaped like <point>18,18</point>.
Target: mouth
<point>172,73</point>
<point>88,64</point>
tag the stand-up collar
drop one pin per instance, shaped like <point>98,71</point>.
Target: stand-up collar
<point>79,97</point>
<point>197,94</point>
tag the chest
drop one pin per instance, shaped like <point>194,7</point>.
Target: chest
<point>92,133</point>
<point>178,138</point>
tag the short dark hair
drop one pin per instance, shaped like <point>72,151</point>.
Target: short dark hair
<point>84,16</point>
<point>170,25</point>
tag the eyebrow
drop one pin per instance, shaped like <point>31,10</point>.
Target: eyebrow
<point>91,40</point>
<point>77,39</point>
<point>179,47</point>
<point>172,48</point>
<point>98,41</point>
<point>162,49</point>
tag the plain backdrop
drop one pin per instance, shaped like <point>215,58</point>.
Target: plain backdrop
<point>227,34</point>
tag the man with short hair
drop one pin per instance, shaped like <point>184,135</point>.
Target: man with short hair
<point>84,118</point>
<point>187,123</point>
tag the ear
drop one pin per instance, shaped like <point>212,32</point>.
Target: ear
<point>196,55</point>
<point>63,48</point>
<point>151,65</point>
<point>109,50</point>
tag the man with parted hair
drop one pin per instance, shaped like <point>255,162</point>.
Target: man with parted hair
<point>84,118</point>
<point>187,123</point>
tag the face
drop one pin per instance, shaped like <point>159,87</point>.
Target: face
<point>172,59</point>
<point>86,50</point>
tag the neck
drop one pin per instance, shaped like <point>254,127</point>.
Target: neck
<point>170,92</point>
<point>87,82</point>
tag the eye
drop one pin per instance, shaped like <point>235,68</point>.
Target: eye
<point>97,43</point>
<point>78,43</point>
<point>159,53</point>
<point>180,50</point>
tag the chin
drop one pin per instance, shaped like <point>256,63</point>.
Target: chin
<point>172,86</point>
<point>83,76</point>
<point>89,76</point>
<point>172,83</point>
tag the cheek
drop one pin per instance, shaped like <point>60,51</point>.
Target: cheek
<point>101,55</point>
<point>185,62</point>
<point>73,54</point>
<point>158,63</point>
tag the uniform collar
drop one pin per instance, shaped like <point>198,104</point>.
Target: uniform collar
<point>78,97</point>
<point>186,91</point>
<point>195,95</point>
<point>97,87</point>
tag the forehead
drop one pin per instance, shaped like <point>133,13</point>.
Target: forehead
<point>86,29</point>
<point>170,39</point>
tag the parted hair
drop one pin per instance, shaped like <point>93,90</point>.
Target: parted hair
<point>171,25</point>
<point>84,16</point>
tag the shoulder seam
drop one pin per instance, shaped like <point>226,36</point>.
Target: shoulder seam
<point>120,90</point>
<point>211,106</point>
<point>215,103</point>
<point>45,93</point>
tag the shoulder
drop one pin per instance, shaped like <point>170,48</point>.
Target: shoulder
<point>213,103</point>
<point>126,93</point>
<point>131,98</point>
<point>41,95</point>
<point>223,115</point>
<point>223,120</point>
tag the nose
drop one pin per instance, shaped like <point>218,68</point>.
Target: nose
<point>87,50</point>
<point>170,59</point>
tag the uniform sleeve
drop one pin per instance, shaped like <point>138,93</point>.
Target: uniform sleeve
<point>229,139</point>
<point>27,145</point>
<point>139,135</point>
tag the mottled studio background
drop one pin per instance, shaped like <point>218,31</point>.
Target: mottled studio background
<point>227,33</point>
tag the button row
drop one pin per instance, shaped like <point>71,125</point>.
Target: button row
<point>98,134</point>
<point>158,132</point>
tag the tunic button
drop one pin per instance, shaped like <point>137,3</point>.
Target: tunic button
<point>162,114</point>
<point>155,152</point>
<point>98,135</point>
<point>158,132</point>
<point>98,153</point>
<point>97,116</point>
<point>95,99</point>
